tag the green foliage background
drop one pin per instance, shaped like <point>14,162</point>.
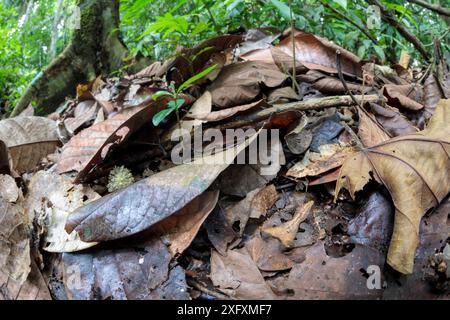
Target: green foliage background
<point>155,28</point>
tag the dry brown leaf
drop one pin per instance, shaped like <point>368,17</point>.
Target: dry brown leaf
<point>331,156</point>
<point>92,145</point>
<point>392,120</point>
<point>237,275</point>
<point>287,231</point>
<point>14,242</point>
<point>238,83</point>
<point>268,254</point>
<point>370,130</point>
<point>50,199</point>
<point>403,96</point>
<point>282,94</point>
<point>29,139</point>
<point>34,288</point>
<point>316,53</point>
<point>255,204</point>
<point>148,201</point>
<point>415,169</point>
<point>228,112</point>
<point>181,228</point>
<point>84,112</point>
<point>432,94</point>
<point>321,276</point>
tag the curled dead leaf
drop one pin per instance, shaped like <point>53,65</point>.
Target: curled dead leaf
<point>415,168</point>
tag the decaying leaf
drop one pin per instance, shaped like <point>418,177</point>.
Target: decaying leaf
<point>29,139</point>
<point>219,231</point>
<point>432,94</point>
<point>317,53</point>
<point>229,112</point>
<point>14,242</point>
<point>255,204</point>
<point>268,254</point>
<point>146,202</point>
<point>181,228</point>
<point>331,156</point>
<point>403,96</point>
<point>415,169</point>
<point>287,231</point>
<point>323,277</point>
<point>237,275</point>
<point>370,130</point>
<point>392,120</point>
<point>121,272</point>
<point>34,287</point>
<point>91,145</point>
<point>51,198</point>
<point>239,83</point>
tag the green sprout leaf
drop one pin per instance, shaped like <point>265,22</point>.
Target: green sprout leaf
<point>172,105</point>
<point>175,104</point>
<point>161,93</point>
<point>160,116</point>
<point>196,77</point>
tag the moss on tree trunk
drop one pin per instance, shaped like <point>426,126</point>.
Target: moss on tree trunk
<point>95,49</point>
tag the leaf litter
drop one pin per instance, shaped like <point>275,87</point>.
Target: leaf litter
<point>212,228</point>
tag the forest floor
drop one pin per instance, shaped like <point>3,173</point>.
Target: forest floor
<point>234,171</point>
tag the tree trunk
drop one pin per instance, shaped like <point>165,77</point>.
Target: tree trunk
<point>52,51</point>
<point>95,49</point>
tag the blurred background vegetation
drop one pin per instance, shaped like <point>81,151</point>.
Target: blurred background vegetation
<point>32,32</point>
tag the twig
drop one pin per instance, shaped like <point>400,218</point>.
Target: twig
<point>195,284</point>
<point>343,16</point>
<point>433,7</point>
<point>294,62</point>
<point>311,104</point>
<point>341,76</point>
<point>390,18</point>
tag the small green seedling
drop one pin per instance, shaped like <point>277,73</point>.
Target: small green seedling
<point>176,103</point>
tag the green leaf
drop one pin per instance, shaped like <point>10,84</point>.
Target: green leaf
<point>282,8</point>
<point>196,77</point>
<point>175,104</point>
<point>160,116</point>
<point>342,3</point>
<point>380,52</point>
<point>158,94</point>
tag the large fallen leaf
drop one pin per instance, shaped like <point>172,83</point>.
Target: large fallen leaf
<point>415,169</point>
<point>238,83</point>
<point>50,199</point>
<point>237,275</point>
<point>146,202</point>
<point>133,271</point>
<point>392,120</point>
<point>287,231</point>
<point>321,276</point>
<point>403,96</point>
<point>316,53</point>
<point>14,242</point>
<point>91,145</point>
<point>181,228</point>
<point>29,139</point>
